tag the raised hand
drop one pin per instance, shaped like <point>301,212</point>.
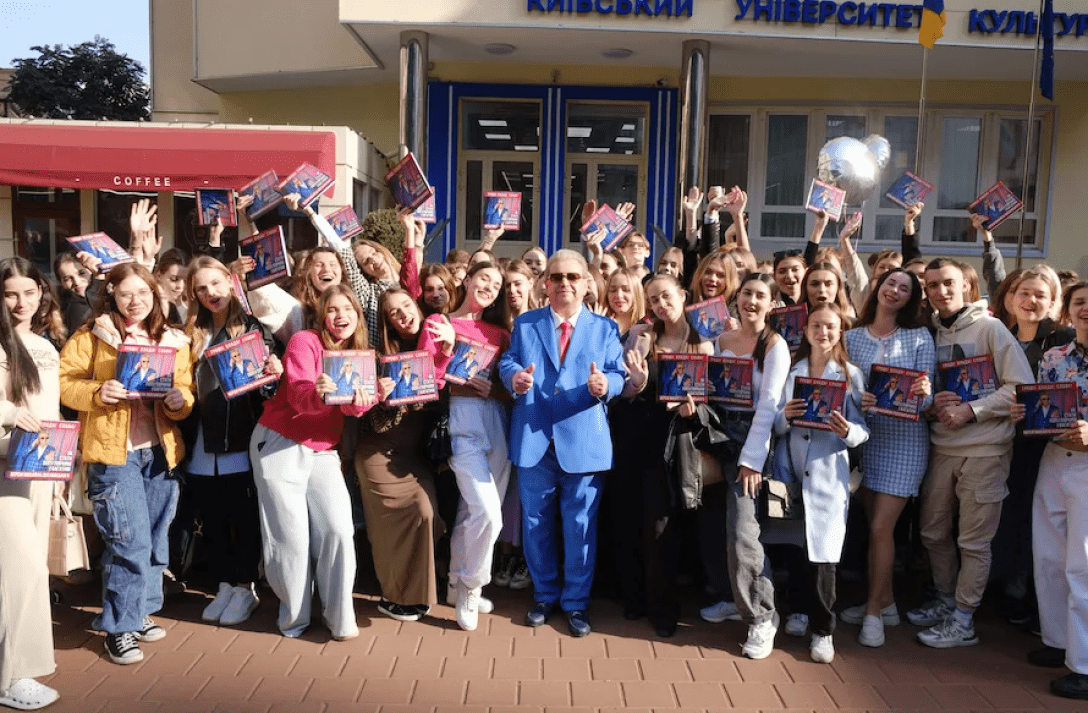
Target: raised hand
<point>523,380</point>
<point>143,219</point>
<point>736,202</point>
<point>626,210</point>
<point>978,222</point>
<point>638,369</point>
<point>693,200</point>
<point>291,200</point>
<point>588,209</point>
<point>443,333</point>
<point>597,382</point>
<point>215,233</point>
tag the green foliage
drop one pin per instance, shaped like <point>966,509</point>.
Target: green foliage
<point>89,81</point>
<point>383,226</point>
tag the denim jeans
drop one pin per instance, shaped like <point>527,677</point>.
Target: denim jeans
<point>133,504</point>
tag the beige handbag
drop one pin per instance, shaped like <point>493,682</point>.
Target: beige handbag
<point>67,544</point>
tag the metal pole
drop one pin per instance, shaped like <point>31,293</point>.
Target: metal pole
<point>694,85</point>
<point>921,115</point>
<point>1029,139</point>
<point>413,94</point>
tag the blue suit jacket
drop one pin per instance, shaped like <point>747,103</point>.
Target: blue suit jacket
<point>559,407</point>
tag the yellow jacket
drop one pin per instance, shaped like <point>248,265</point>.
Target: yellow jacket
<point>89,359</point>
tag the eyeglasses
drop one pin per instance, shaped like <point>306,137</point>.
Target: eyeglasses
<point>783,254</point>
<point>557,278</point>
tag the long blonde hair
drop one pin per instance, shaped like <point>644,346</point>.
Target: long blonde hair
<point>201,321</point>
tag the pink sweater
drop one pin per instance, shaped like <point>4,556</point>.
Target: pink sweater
<point>471,328</point>
<point>297,411</point>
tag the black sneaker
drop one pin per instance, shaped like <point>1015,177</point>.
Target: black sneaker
<point>124,648</point>
<point>400,612</point>
<point>1074,685</point>
<point>150,631</point>
<point>1047,657</point>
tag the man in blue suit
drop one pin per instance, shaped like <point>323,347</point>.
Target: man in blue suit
<point>559,436</point>
<point>35,454</point>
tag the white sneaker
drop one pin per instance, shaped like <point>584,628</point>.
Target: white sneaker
<point>722,611</point>
<point>760,641</point>
<point>214,611</point>
<point>797,624</point>
<point>948,634</point>
<point>468,607</point>
<point>242,604</point>
<point>872,631</point>
<point>856,615</point>
<point>932,612</point>
<point>486,606</point>
<point>26,694</point>
<point>822,649</point>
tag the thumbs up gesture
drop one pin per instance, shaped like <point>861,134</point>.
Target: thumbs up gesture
<point>523,380</point>
<point>597,382</point>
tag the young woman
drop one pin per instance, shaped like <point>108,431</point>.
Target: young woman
<point>823,284</point>
<point>77,290</point>
<point>743,259</point>
<point>753,591</point>
<point>131,447</point>
<point>890,332</point>
<point>625,301</point>
<point>478,425</point>
<point>220,474</point>
<point>170,273</point>
<point>594,299</point>
<point>818,459</point>
<point>645,515</point>
<point>536,259</point>
<point>438,290</point>
<point>29,393</point>
<point>672,263</point>
<point>610,262</point>
<point>519,288</point>
<point>306,525</point>
<point>716,275</point>
<point>789,271</point>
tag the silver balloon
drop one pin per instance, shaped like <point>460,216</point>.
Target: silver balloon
<point>851,165</point>
<point>880,148</point>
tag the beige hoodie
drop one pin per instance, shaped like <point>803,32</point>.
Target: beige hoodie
<point>975,333</point>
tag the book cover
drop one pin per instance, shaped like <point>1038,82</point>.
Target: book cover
<point>908,189</point>
<point>240,293</point>
<point>502,209</point>
<point>680,376</point>
<point>892,388</point>
<point>821,397</point>
<point>789,322</point>
<point>102,247</point>
<point>408,184</point>
<point>970,379</point>
<point>608,225</point>
<point>1051,409</point>
<point>269,251</point>
<point>146,371</point>
<point>213,203</point>
<point>308,181</point>
<point>345,222</point>
<point>471,357</point>
<point>998,204</point>
<point>49,454</point>
<point>825,197</point>
<point>353,370</point>
<point>413,377</point>
<point>239,364</point>
<point>264,193</point>
<point>730,381</point>
<point>710,318</point>
<point>426,211</point>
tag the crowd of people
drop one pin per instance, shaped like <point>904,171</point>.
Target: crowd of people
<point>520,476</point>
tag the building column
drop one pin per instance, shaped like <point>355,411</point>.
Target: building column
<point>413,94</point>
<point>694,87</point>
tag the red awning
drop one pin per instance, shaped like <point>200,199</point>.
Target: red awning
<point>154,158</point>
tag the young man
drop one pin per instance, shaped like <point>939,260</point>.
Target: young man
<point>969,462</point>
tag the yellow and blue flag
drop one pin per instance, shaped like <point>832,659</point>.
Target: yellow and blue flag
<point>932,28</point>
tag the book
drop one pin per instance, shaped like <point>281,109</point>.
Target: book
<point>101,246</point>
<point>308,181</point>
<point>908,189</point>
<point>239,364</point>
<point>269,251</point>
<point>345,222</point>
<point>471,357</point>
<point>998,204</point>
<point>408,184</point>
<point>49,454</point>
<point>264,193</point>
<point>680,376</point>
<point>825,197</point>
<point>821,397</point>
<point>353,370</point>
<point>426,211</point>
<point>1051,408</point>
<point>216,203</point>
<point>240,293</point>
<point>789,322</point>
<point>413,377</point>
<point>730,381</point>
<point>970,379</point>
<point>609,225</point>
<point>502,209</point>
<point>892,388</point>
<point>146,371</point>
<point>710,318</point>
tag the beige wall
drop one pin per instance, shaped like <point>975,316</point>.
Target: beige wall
<point>175,97</point>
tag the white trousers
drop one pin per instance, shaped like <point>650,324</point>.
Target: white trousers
<point>308,533</point>
<point>1059,526</point>
<point>481,463</point>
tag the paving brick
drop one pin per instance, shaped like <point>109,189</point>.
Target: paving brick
<point>169,662</point>
<point>368,667</point>
<point>669,670</point>
<point>123,685</point>
<point>518,668</point>
<point>803,695</point>
<point>596,694</point>
<point>591,646</point>
<point>536,647</point>
<point>418,667</point>
<point>444,692</point>
<point>855,695</point>
<point>79,658</point>
<point>855,671</point>
<point>341,689</point>
<point>753,695</point>
<point>218,664</point>
<point>762,671</point>
<point>242,707</point>
<point>254,643</point>
<point>466,669</point>
<point>342,707</point>
<point>615,670</point>
<point>394,645</point>
<point>270,665</point>
<point>628,648</point>
<point>543,693</point>
<point>664,650</point>
<point>490,647</point>
<point>1007,696</point>
<point>175,688</point>
<point>811,672</point>
<point>229,688</point>
<point>655,694</point>
<point>442,646</point>
<point>386,691</point>
<point>905,695</point>
<point>275,689</point>
<point>294,707</point>
<point>492,693</point>
<point>696,696</point>
<point>713,670</point>
<point>74,685</point>
<point>566,669</point>
<point>318,666</point>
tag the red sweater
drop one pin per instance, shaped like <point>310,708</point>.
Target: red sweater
<point>297,410</point>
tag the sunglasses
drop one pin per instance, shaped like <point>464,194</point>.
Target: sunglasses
<point>557,278</point>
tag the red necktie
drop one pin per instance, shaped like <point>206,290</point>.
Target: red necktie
<point>565,328</point>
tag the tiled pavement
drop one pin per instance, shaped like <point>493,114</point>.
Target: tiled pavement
<point>505,667</point>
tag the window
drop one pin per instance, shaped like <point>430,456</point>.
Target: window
<point>43,218</point>
<point>113,210</point>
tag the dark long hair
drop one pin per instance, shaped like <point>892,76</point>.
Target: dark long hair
<point>498,312</point>
<point>443,274</point>
<point>21,368</point>
<point>909,315</point>
<point>657,325</point>
<point>155,321</point>
<point>767,336</point>
<point>47,321</point>
<point>391,341</point>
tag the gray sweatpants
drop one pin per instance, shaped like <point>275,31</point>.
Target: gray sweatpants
<point>753,591</point>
